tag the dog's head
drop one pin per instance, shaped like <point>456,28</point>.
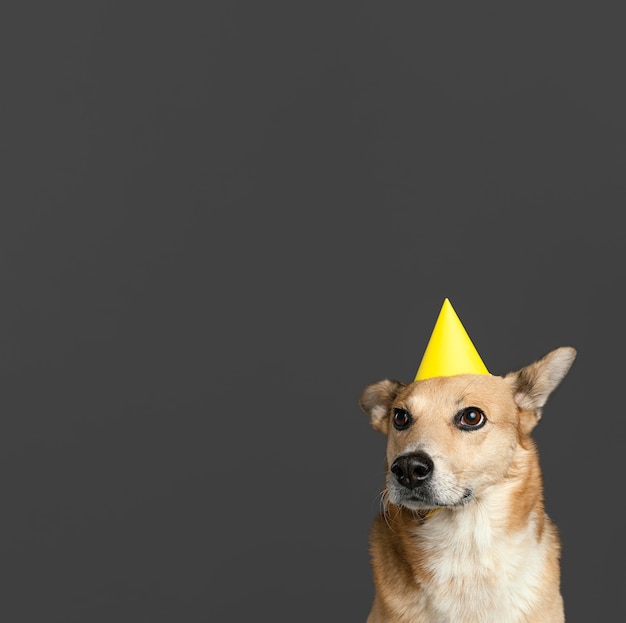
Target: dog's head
<point>451,437</point>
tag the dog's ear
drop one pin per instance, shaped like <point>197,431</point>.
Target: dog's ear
<point>376,400</point>
<point>533,384</point>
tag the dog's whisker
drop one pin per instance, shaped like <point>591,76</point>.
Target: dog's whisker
<point>384,500</point>
<point>386,509</point>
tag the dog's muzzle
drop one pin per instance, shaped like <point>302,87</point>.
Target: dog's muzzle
<point>412,470</point>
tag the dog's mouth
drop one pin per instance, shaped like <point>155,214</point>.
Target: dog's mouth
<point>464,499</point>
<point>416,500</point>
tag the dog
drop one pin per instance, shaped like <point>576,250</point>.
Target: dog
<point>463,536</point>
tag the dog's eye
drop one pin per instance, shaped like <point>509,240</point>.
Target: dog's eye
<point>470,418</point>
<point>401,418</point>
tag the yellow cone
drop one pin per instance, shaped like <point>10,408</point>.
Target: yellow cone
<point>450,350</point>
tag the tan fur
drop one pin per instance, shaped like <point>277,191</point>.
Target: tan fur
<point>489,554</point>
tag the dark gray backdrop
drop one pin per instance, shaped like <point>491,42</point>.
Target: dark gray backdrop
<point>221,220</point>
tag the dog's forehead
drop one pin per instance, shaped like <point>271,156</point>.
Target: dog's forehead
<point>453,392</point>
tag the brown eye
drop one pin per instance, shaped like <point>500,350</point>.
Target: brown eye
<point>401,418</point>
<point>470,418</point>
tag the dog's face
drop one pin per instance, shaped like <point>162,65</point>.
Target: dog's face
<point>448,437</point>
<point>451,437</point>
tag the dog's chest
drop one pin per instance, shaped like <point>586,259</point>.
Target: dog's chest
<point>470,572</point>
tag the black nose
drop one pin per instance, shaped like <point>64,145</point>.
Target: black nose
<point>412,470</point>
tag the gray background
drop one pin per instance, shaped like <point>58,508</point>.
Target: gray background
<point>221,220</point>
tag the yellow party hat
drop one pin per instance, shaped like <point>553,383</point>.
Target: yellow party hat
<point>450,350</point>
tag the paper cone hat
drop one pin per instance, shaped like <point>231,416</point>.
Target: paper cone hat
<point>450,350</point>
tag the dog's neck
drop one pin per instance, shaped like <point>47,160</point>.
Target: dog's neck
<point>475,554</point>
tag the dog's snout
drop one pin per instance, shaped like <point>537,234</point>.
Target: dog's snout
<point>412,470</point>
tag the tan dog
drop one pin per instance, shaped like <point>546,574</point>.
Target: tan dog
<point>463,536</point>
